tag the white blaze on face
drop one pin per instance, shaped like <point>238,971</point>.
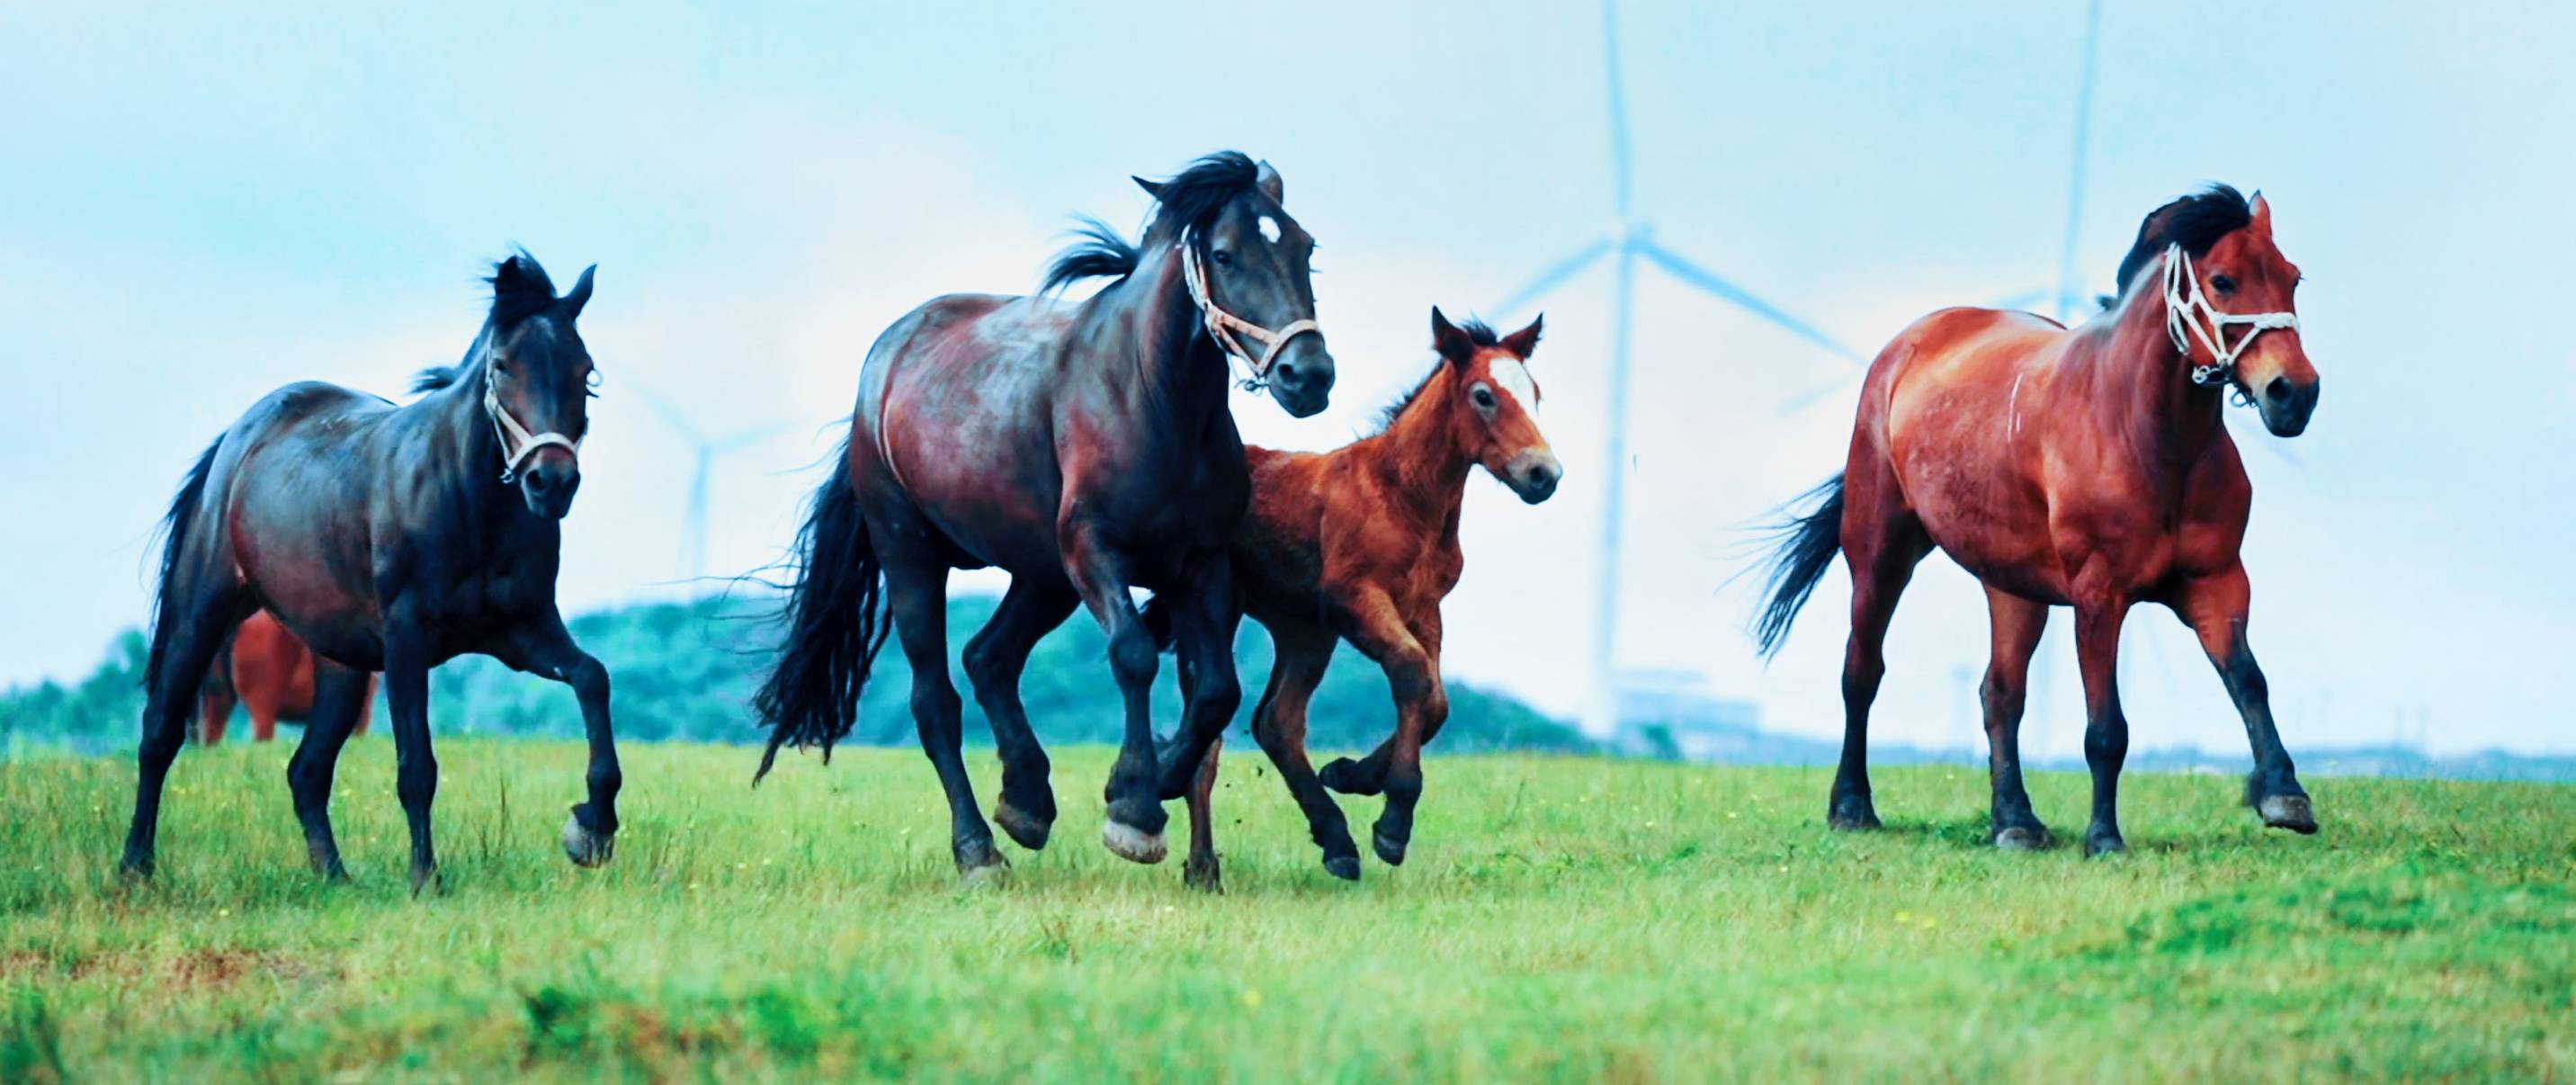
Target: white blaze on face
<point>1513,378</point>
<point>1270,229</point>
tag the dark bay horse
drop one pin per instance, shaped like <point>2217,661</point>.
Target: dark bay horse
<point>391,539</point>
<point>1361,544</point>
<point>1087,449</point>
<point>2085,468</point>
<point>275,677</point>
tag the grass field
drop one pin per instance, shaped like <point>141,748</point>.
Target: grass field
<point>1559,918</point>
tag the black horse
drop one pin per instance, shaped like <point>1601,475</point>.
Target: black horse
<point>391,539</point>
<point>1087,449</point>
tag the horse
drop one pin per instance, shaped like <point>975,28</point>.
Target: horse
<point>2088,468</point>
<point>277,678</point>
<point>1085,449</point>
<point>391,539</point>
<point>1361,544</point>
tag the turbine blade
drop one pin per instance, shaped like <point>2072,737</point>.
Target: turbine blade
<point>1555,276</point>
<point>2021,301</point>
<point>669,413</point>
<point>751,436</point>
<point>1710,282</point>
<point>1620,191</point>
<point>1810,397</point>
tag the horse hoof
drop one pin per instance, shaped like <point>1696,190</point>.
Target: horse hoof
<point>2022,838</point>
<point>1389,850</point>
<point>987,875</point>
<point>1026,830</point>
<point>136,870</point>
<point>1132,844</point>
<point>1341,774</point>
<point>584,847</point>
<point>1845,819</point>
<point>1345,867</point>
<point>2098,845</point>
<point>426,882</point>
<point>1204,876</point>
<point>2290,812</point>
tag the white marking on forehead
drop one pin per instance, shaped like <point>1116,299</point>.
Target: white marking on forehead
<point>1514,379</point>
<point>1270,229</point>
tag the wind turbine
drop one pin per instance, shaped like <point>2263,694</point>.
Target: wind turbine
<point>1631,239</point>
<point>693,531</point>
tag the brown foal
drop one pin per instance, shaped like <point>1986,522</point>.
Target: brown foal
<point>1361,543</point>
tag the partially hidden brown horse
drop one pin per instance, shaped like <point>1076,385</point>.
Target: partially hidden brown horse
<point>2087,468</point>
<point>1361,544</point>
<point>275,677</point>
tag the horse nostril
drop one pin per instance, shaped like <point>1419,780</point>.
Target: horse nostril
<point>1289,373</point>
<point>2278,391</point>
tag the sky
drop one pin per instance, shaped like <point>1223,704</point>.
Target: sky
<point>199,206</point>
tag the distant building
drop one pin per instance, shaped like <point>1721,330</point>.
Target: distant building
<point>1673,713</point>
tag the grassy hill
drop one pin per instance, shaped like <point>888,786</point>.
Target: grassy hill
<point>1562,918</point>
<point>687,671</point>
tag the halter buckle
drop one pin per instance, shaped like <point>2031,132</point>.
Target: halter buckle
<point>1223,326</point>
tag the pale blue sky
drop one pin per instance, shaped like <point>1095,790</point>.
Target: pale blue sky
<point>197,206</point>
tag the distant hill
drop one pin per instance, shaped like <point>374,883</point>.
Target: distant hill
<point>687,671</point>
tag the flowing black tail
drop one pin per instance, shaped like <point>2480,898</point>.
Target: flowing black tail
<point>837,617</point>
<point>174,539</point>
<point>1808,545</point>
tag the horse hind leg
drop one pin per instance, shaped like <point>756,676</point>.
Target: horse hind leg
<point>918,590</point>
<point>1203,872</point>
<point>197,613</point>
<point>340,700</point>
<point>1882,541</point>
<point>2018,624</point>
<point>994,660</point>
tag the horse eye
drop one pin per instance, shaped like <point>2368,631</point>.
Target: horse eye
<point>1222,257</point>
<point>2222,284</point>
<point>1484,397</point>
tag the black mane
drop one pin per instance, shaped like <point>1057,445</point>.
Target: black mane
<point>1187,203</point>
<point>436,377</point>
<point>1478,332</point>
<point>520,289</point>
<point>2195,222</point>
<point>1100,253</point>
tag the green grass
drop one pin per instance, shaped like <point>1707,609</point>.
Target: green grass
<point>1560,918</point>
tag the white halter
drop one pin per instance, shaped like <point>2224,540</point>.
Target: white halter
<point>2193,311</point>
<point>1222,326</point>
<point>511,432</point>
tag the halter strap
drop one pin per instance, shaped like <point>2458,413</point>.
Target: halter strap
<point>511,433</point>
<point>1223,326</point>
<point>2186,307</point>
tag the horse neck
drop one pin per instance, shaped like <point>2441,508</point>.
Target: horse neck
<point>1420,454</point>
<point>464,433</point>
<point>1157,348</point>
<point>2148,386</point>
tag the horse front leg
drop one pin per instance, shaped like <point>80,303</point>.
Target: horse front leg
<point>1378,629</point>
<point>2215,607</point>
<point>1134,830</point>
<point>545,648</point>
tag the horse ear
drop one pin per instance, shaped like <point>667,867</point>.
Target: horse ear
<point>1452,344</point>
<point>2262,221</point>
<point>1522,342</point>
<point>580,294</point>
<point>1152,188</point>
<point>1267,177</point>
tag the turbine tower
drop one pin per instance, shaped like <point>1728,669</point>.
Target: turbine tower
<point>1631,239</point>
<point>693,529</point>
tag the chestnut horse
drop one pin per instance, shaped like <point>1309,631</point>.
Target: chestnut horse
<point>391,539</point>
<point>277,678</point>
<point>1085,449</point>
<point>2086,468</point>
<point>1361,544</point>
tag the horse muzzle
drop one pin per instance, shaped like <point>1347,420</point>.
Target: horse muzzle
<point>549,483</point>
<point>1533,475</point>
<point>1301,378</point>
<point>2286,405</point>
